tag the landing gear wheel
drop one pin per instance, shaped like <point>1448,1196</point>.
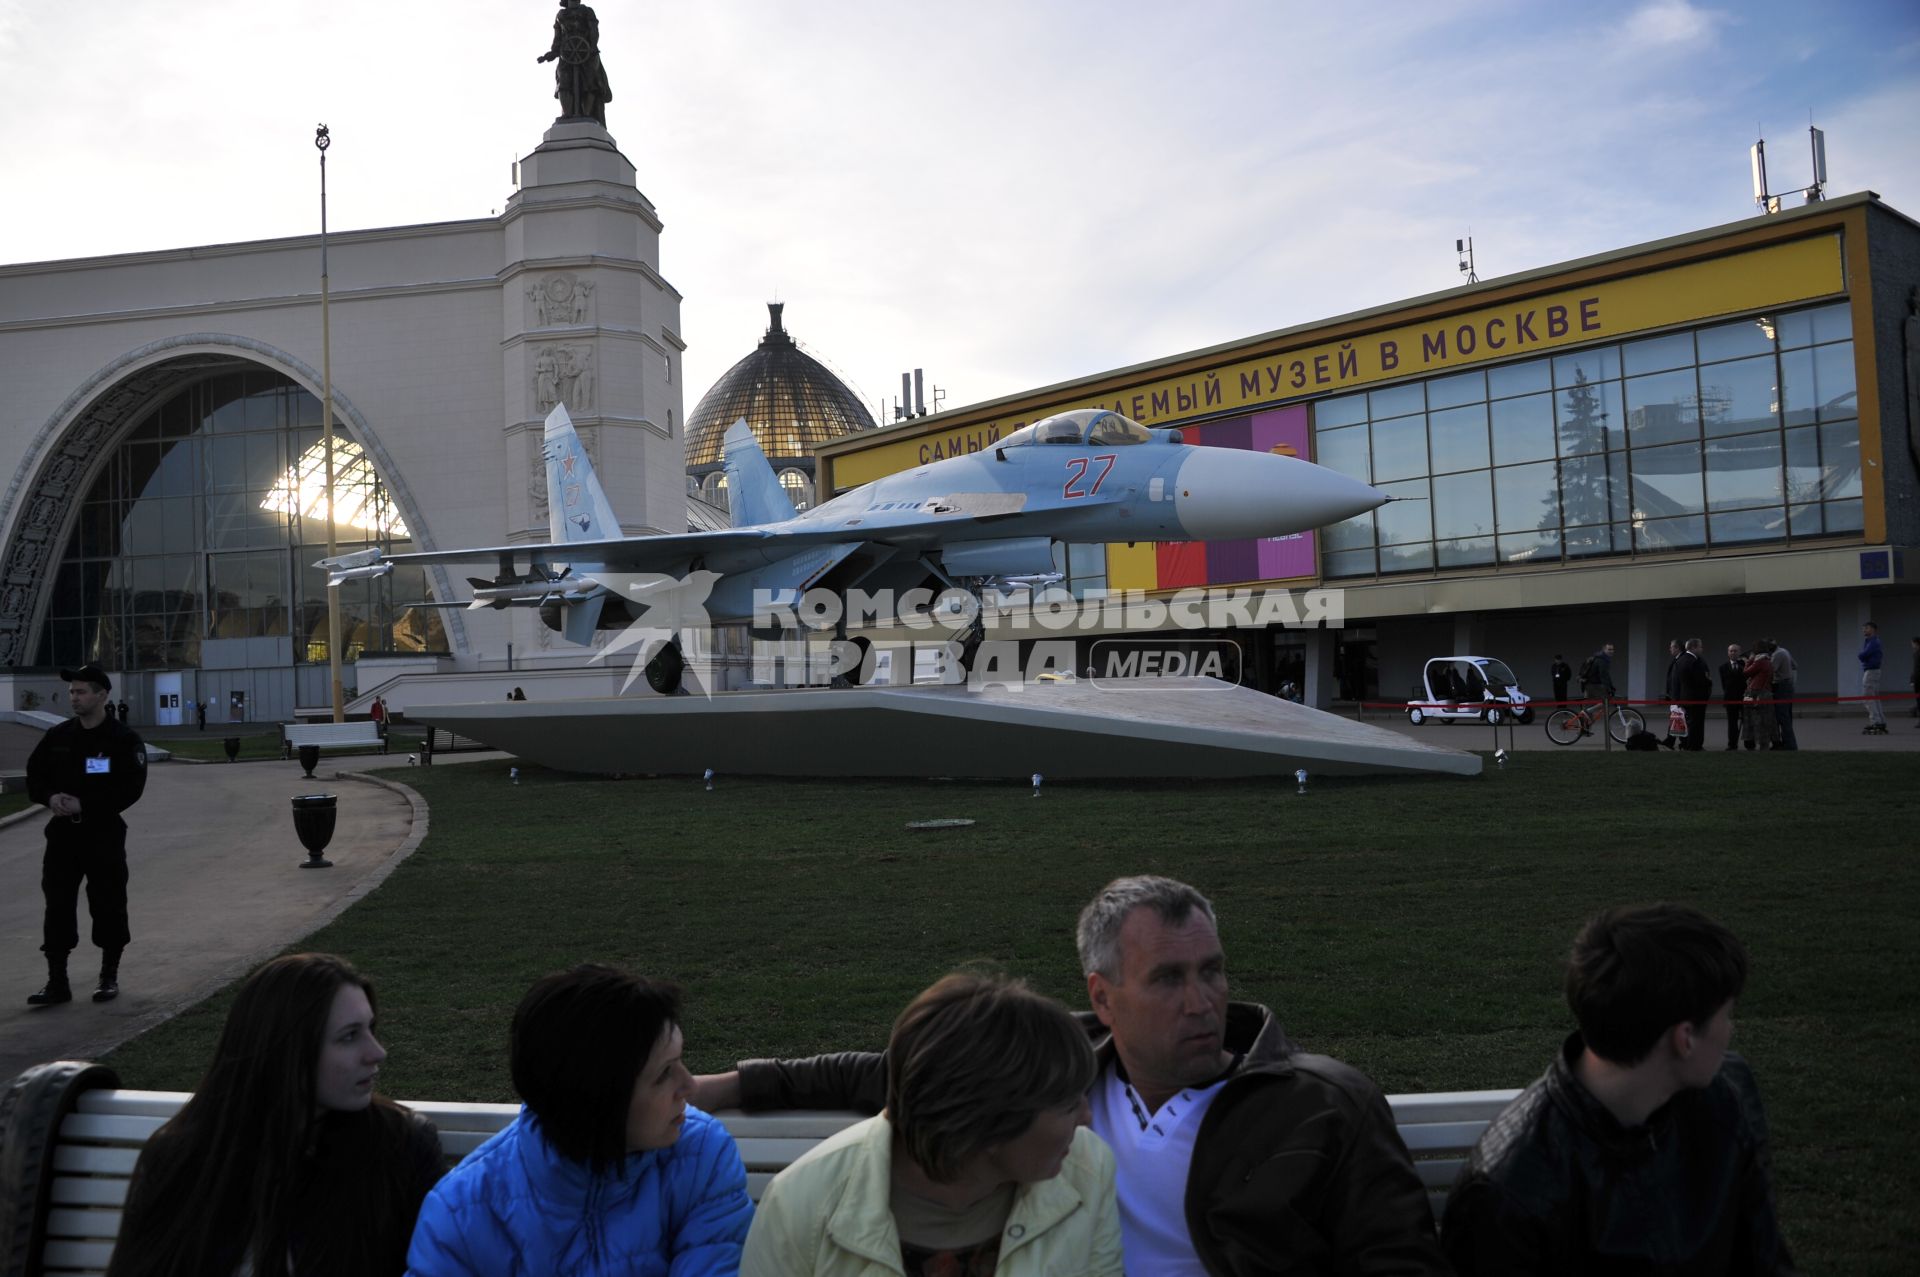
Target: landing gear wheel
<point>1495,716</point>
<point>665,669</point>
<point>1416,717</point>
<point>1524,717</point>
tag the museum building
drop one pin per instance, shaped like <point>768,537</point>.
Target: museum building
<point>1714,436</point>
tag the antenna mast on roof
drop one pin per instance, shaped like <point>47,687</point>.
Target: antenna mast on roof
<point>1464,247</point>
<point>1770,203</point>
<point>913,396</point>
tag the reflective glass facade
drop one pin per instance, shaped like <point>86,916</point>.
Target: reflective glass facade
<point>203,525</point>
<point>1734,434</point>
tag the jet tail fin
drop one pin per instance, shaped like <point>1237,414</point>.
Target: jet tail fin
<point>754,495</point>
<point>577,508</point>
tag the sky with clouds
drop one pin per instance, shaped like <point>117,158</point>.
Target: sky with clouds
<point>1008,193</point>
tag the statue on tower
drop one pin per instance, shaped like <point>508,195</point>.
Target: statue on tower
<point>580,82</point>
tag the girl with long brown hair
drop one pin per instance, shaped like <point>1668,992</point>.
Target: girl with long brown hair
<point>285,1161</point>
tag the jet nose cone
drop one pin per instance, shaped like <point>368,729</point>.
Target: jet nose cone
<point>1225,494</point>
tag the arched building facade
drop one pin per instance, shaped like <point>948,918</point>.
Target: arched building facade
<point>163,419</point>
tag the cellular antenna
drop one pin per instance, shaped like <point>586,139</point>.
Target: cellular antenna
<point>1464,249</point>
<point>1769,202</point>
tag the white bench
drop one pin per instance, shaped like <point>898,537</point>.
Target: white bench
<point>99,1141</point>
<point>330,736</point>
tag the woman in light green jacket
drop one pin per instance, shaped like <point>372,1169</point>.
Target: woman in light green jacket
<point>979,1167</point>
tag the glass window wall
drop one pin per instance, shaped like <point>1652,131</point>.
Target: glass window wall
<point>1737,433</point>
<point>198,524</point>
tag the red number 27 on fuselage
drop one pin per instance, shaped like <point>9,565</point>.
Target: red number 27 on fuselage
<point>1077,471</point>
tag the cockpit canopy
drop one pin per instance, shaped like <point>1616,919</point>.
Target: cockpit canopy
<point>1084,427</point>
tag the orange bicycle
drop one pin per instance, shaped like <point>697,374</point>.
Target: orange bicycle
<point>1565,726</point>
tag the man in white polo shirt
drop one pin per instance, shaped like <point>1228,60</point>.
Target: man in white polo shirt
<point>1236,1154</point>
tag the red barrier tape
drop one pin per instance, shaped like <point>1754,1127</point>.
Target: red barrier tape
<point>1622,700</point>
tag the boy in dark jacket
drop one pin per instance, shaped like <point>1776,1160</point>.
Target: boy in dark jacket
<point>1644,1147</point>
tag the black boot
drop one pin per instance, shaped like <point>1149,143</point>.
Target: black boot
<point>109,988</point>
<point>57,990</point>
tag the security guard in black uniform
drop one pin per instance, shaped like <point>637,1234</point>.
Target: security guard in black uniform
<point>87,771</point>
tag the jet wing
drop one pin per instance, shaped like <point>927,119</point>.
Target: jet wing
<point>914,527</point>
<point>637,553</point>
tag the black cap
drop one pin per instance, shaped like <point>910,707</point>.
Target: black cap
<point>88,674</point>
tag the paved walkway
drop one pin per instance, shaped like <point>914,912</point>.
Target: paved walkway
<point>215,888</point>
<point>1825,733</point>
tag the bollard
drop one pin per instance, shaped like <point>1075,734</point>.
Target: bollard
<point>309,758</point>
<point>232,746</point>
<point>313,819</point>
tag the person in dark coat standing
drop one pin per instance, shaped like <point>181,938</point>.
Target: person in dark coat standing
<point>1675,651</point>
<point>1786,672</point>
<point>1913,680</point>
<point>1596,676</point>
<point>1733,689</point>
<point>86,771</point>
<point>1562,675</point>
<point>1696,689</point>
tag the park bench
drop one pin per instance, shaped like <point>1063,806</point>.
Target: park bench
<point>71,1140</point>
<point>439,740</point>
<point>330,736</point>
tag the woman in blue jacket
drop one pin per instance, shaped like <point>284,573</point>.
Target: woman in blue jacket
<point>606,1170</point>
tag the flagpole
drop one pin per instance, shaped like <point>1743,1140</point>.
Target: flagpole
<point>322,140</point>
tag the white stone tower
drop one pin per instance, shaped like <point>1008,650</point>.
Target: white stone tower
<point>589,321</point>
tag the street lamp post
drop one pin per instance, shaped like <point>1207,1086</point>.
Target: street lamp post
<point>323,141</point>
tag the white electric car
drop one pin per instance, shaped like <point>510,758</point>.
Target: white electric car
<point>1476,689</point>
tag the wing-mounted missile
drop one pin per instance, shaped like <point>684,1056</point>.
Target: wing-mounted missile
<point>1030,582</point>
<point>532,589</point>
<point>357,566</point>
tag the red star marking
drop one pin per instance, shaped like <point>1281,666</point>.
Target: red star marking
<point>566,464</point>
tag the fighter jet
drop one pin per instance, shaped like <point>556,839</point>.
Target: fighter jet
<point>962,523</point>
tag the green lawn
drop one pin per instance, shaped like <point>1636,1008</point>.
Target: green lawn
<point>1411,927</point>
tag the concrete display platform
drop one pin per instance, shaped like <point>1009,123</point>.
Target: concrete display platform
<point>1145,728</point>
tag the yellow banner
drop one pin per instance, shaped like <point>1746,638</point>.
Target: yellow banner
<point>1783,274</point>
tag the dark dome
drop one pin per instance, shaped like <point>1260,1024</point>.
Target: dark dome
<point>787,396</point>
